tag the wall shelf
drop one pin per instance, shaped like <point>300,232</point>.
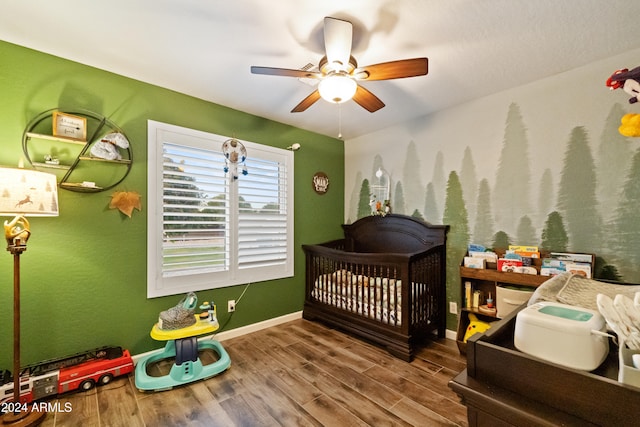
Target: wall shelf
<point>33,135</point>
<point>98,159</point>
<point>70,159</point>
<point>532,280</point>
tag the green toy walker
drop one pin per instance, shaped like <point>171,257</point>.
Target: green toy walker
<point>183,346</point>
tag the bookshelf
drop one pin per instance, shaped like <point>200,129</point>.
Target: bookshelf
<point>486,281</point>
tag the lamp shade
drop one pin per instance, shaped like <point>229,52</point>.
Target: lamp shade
<point>28,192</point>
<point>337,88</point>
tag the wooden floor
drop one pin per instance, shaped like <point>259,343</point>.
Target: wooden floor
<point>299,373</point>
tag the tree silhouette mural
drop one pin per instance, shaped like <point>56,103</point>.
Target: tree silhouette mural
<point>397,204</point>
<point>431,212</point>
<point>411,173</point>
<point>545,196</point>
<point>626,238</point>
<point>554,236</point>
<point>613,150</point>
<point>483,229</point>
<point>364,209</point>
<point>355,199</point>
<point>609,272</point>
<point>469,183</point>
<point>513,166</point>
<point>439,178</point>
<point>501,240</point>
<point>455,215</point>
<point>526,233</point>
<point>577,195</point>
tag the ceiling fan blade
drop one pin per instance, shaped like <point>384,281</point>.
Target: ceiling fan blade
<point>307,102</point>
<point>393,70</point>
<point>367,100</point>
<point>338,36</point>
<point>286,72</point>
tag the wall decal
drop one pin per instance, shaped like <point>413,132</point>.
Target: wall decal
<point>125,202</point>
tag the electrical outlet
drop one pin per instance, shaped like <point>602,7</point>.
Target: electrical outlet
<point>231,305</point>
<point>453,307</point>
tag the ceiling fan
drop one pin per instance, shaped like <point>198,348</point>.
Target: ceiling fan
<point>339,72</point>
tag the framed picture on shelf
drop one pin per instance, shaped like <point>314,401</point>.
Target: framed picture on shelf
<point>69,126</point>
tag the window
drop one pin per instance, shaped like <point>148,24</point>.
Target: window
<point>206,229</point>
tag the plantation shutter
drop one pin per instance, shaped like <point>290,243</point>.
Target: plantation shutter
<point>207,229</point>
<point>195,211</point>
<point>262,233</point>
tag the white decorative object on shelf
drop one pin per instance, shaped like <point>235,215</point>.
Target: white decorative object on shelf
<point>107,147</point>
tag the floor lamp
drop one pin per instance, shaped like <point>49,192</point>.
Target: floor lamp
<point>23,192</point>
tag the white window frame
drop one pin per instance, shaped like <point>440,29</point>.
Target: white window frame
<point>159,284</point>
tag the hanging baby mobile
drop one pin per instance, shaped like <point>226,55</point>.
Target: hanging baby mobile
<point>629,81</point>
<point>235,155</point>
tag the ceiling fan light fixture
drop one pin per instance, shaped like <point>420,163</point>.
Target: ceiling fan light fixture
<point>337,88</point>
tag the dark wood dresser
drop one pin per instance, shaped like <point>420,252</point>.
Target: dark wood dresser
<point>505,387</point>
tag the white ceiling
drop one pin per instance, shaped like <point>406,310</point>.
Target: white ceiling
<point>205,48</point>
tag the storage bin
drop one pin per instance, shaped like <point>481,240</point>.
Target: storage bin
<point>508,298</point>
<point>628,373</point>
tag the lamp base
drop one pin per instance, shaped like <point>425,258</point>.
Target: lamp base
<point>22,419</point>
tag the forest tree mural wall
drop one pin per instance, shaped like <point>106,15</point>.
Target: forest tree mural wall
<point>556,174</point>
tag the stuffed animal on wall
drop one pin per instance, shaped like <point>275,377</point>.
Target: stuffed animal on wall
<point>629,81</point>
<point>475,326</point>
<point>630,125</point>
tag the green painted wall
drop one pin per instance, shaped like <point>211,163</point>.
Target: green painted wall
<point>84,273</point>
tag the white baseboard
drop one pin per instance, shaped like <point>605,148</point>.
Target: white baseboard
<point>452,335</point>
<point>243,330</point>
<point>233,333</point>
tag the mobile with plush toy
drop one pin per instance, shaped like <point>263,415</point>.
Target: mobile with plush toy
<point>629,81</point>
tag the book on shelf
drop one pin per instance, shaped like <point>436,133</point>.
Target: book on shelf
<point>488,256</point>
<point>525,269</point>
<point>560,262</point>
<point>517,248</point>
<point>580,268</point>
<point>508,265</point>
<point>567,256</point>
<point>474,262</point>
<point>551,271</point>
<point>527,254</point>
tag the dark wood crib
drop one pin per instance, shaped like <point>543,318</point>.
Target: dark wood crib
<point>384,282</point>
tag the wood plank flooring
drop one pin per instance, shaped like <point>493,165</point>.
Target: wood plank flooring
<point>299,373</point>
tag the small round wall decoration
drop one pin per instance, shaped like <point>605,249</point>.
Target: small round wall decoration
<point>320,183</point>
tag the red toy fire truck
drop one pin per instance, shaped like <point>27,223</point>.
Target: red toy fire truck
<point>81,371</point>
